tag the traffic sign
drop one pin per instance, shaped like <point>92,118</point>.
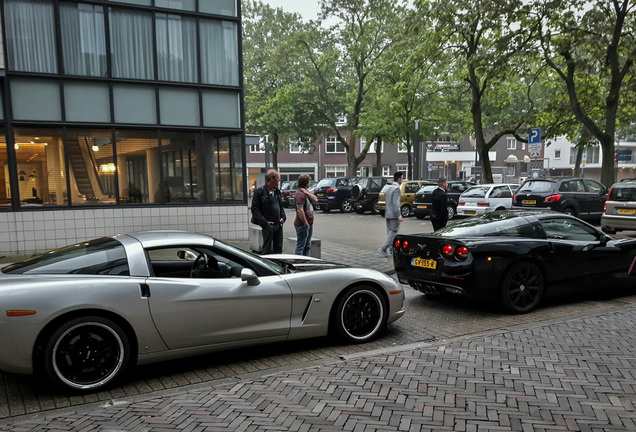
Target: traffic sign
<point>534,142</point>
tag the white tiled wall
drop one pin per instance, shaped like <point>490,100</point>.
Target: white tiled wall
<point>27,232</point>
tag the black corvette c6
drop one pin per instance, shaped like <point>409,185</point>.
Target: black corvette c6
<point>514,258</point>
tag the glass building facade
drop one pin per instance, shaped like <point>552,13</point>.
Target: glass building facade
<point>129,108</point>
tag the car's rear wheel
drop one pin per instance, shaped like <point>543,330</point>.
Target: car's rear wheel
<point>374,207</point>
<point>325,209</point>
<point>86,353</point>
<point>451,212</point>
<point>607,230</point>
<point>522,288</point>
<point>346,206</point>
<point>405,210</point>
<point>360,314</point>
<point>569,211</point>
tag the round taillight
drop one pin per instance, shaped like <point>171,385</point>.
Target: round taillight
<point>405,244</point>
<point>397,244</point>
<point>447,250</point>
<point>461,252</point>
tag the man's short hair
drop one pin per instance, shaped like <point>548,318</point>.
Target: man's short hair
<point>441,181</point>
<point>397,175</point>
<point>303,180</point>
<point>270,175</point>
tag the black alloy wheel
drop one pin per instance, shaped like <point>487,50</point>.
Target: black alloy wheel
<point>405,210</point>
<point>522,288</point>
<point>374,207</point>
<point>360,314</point>
<point>86,354</point>
<point>346,206</point>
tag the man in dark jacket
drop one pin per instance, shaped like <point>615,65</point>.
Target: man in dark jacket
<point>268,213</point>
<point>439,210</point>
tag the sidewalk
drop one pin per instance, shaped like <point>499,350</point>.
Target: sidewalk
<point>560,375</point>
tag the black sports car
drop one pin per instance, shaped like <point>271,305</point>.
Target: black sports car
<point>514,258</point>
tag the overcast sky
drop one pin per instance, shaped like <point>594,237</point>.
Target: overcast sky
<point>308,9</point>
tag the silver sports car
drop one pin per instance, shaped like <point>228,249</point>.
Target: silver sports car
<point>85,313</point>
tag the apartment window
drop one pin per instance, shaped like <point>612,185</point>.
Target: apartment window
<point>402,168</point>
<point>258,148</point>
<point>386,171</point>
<point>511,143</point>
<point>41,167</point>
<point>92,167</point>
<point>219,7</point>
<point>131,44</point>
<point>341,120</point>
<point>219,52</point>
<point>590,155</point>
<point>557,154</point>
<point>83,39</point>
<point>335,171</point>
<point>30,31</point>
<point>176,48</point>
<point>332,145</point>
<point>373,147</point>
<point>402,148</point>
<point>298,148</point>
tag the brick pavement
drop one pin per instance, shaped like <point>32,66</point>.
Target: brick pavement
<point>574,375</point>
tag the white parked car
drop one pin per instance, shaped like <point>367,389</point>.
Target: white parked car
<point>486,198</point>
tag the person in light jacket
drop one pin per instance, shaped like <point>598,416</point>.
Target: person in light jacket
<point>392,214</point>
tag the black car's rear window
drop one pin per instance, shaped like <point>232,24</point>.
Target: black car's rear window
<point>623,193</point>
<point>536,186</point>
<point>103,256</point>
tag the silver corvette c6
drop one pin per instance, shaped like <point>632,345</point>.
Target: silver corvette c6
<point>85,313</point>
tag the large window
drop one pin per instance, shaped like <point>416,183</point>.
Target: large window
<point>182,172</point>
<point>176,48</point>
<point>219,52</point>
<point>83,39</point>
<point>5,192</point>
<point>30,29</point>
<point>131,44</point>
<point>40,166</point>
<point>138,167</point>
<point>92,167</point>
<point>226,184</point>
<point>335,171</point>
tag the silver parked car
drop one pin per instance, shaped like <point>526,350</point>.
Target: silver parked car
<point>85,313</point>
<point>620,208</point>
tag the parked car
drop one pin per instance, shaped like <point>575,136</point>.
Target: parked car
<point>335,193</point>
<point>287,191</point>
<point>580,197</point>
<point>620,208</point>
<point>514,258</point>
<point>486,198</point>
<point>408,188</point>
<point>365,193</point>
<point>85,313</point>
<point>424,198</point>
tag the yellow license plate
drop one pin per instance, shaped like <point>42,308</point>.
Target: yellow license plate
<point>320,194</point>
<point>425,263</point>
<point>626,211</point>
<point>422,206</point>
<point>529,202</point>
<point>470,212</point>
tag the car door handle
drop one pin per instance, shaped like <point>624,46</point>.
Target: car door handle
<point>145,290</point>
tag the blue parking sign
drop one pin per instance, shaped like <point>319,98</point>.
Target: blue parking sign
<point>535,136</point>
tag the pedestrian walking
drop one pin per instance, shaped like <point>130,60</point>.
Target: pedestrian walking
<point>304,222</point>
<point>268,213</point>
<point>392,213</point>
<point>439,205</point>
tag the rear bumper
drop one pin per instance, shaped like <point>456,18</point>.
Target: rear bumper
<point>618,222</point>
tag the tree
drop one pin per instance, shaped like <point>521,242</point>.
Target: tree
<point>489,47</point>
<point>591,45</point>
<point>271,77</point>
<point>340,61</point>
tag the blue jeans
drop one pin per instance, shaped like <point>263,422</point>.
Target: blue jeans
<point>303,239</point>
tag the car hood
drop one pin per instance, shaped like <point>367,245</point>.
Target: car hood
<point>303,263</point>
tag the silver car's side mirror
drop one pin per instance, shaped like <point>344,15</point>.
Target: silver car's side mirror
<point>186,255</point>
<point>250,277</point>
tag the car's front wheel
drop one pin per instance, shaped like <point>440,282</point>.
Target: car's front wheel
<point>522,288</point>
<point>360,315</point>
<point>405,210</point>
<point>86,353</point>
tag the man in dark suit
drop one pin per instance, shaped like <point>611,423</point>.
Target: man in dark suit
<point>267,211</point>
<point>439,211</point>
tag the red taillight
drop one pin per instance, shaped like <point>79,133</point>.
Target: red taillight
<point>482,204</point>
<point>405,244</point>
<point>608,198</point>
<point>461,203</point>
<point>514,198</point>
<point>553,198</point>
<point>461,252</point>
<point>447,251</point>
<point>332,190</point>
<point>397,244</point>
